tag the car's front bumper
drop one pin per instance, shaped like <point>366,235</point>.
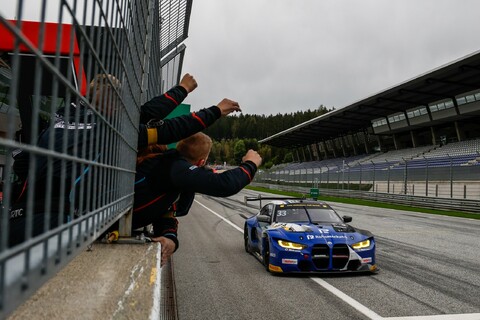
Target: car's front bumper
<point>338,258</point>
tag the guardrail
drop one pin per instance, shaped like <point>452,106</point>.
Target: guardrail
<point>461,182</point>
<point>463,205</point>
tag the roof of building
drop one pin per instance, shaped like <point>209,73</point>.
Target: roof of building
<point>444,82</point>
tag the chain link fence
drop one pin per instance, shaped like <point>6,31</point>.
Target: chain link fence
<point>73,76</point>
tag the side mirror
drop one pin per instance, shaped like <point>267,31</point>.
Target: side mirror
<point>263,218</point>
<point>347,219</point>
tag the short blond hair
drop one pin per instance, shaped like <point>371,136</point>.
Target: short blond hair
<point>196,147</point>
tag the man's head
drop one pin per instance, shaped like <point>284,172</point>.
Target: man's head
<point>195,148</point>
<point>102,93</point>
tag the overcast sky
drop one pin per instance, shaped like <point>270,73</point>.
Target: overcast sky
<point>282,56</point>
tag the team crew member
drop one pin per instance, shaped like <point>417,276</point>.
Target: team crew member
<point>167,183</point>
<point>74,132</point>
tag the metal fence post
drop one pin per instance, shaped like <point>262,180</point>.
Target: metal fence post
<point>338,179</point>
<point>373,183</point>
<point>451,175</point>
<point>328,176</point>
<point>388,179</point>
<point>125,222</point>
<point>360,180</point>
<point>426,176</point>
<point>321,176</point>
<point>348,178</point>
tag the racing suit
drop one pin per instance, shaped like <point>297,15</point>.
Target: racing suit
<point>166,187</point>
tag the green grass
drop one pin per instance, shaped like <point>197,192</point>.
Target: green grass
<point>371,203</point>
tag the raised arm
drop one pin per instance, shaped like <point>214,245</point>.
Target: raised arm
<point>175,129</point>
<point>159,107</point>
<point>207,182</point>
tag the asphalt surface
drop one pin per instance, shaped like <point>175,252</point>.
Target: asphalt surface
<point>429,270</point>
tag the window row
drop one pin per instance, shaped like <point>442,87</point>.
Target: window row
<point>468,98</point>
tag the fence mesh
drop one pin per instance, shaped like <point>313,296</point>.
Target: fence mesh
<point>73,76</point>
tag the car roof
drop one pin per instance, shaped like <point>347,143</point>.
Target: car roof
<point>298,203</point>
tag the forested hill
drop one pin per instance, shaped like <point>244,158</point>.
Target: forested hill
<point>251,126</point>
<point>234,135</point>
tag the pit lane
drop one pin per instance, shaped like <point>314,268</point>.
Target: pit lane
<point>429,269</point>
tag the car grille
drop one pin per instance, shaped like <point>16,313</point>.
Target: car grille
<point>340,255</point>
<point>321,255</point>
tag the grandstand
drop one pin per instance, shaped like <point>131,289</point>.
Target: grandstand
<point>421,133</point>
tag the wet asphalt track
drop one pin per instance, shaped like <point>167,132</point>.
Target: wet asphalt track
<point>429,270</point>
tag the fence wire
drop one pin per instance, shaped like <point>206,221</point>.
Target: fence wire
<point>73,75</point>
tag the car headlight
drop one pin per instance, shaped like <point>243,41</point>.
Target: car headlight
<point>361,245</point>
<point>291,245</point>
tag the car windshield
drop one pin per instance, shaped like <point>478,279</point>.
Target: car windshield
<point>324,215</point>
<point>307,215</point>
<point>297,214</point>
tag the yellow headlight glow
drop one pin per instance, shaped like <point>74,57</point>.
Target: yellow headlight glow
<point>361,244</point>
<point>273,268</point>
<point>291,245</point>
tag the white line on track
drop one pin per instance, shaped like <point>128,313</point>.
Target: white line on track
<point>464,316</point>
<point>352,302</point>
<point>357,305</point>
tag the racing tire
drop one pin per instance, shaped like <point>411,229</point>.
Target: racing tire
<point>266,255</point>
<point>246,240</point>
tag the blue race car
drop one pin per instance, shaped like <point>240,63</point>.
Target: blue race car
<point>307,236</point>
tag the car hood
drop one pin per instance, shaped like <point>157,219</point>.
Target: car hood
<point>318,233</point>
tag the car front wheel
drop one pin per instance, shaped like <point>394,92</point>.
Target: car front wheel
<point>246,240</point>
<point>266,255</point>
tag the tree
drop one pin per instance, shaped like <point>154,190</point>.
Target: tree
<point>239,151</point>
<point>229,131</point>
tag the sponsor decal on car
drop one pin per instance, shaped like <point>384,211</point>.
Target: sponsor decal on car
<point>290,261</point>
<point>366,260</point>
<point>325,236</point>
<point>292,227</point>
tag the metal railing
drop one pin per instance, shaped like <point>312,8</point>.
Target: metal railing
<point>462,205</point>
<point>448,181</point>
<point>74,141</point>
<point>449,186</point>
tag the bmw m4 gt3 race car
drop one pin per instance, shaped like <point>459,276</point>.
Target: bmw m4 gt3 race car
<point>305,236</point>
